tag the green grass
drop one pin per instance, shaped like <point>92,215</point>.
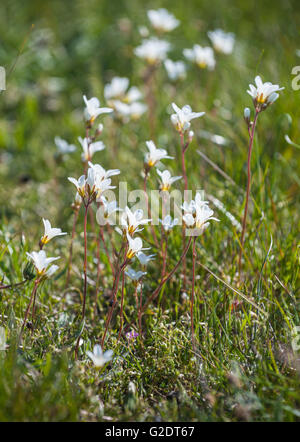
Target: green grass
<point>244,367</point>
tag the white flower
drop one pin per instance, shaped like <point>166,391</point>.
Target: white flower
<point>131,111</point>
<point>50,232</point>
<point>168,223</point>
<point>63,146</point>
<point>106,210</point>
<point>175,69</point>
<point>162,20</point>
<point>200,215</point>
<point>101,186</point>
<point>101,172</point>
<point>135,245</point>
<point>135,276</point>
<point>77,201</point>
<point>153,50</point>
<point>90,148</point>
<point>181,119</point>
<point>94,184</point>
<point>117,90</point>
<point>98,357</point>
<point>130,221</point>
<point>79,184</point>
<point>202,56</point>
<point>154,155</point>
<point>144,259</point>
<point>133,95</point>
<point>52,269</point>
<point>93,109</point>
<point>41,263</point>
<point>264,93</point>
<point>189,208</point>
<point>222,41</point>
<point>166,179</point>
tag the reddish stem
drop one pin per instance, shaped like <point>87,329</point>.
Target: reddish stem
<point>248,187</point>
<point>184,146</point>
<point>164,255</point>
<point>106,251</point>
<point>116,285</point>
<point>71,247</point>
<point>148,209</point>
<point>193,294</point>
<point>122,297</point>
<point>166,278</point>
<point>84,272</point>
<point>36,283</point>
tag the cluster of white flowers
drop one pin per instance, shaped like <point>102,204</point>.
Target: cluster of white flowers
<point>176,70</point>
<point>222,41</point>
<point>197,214</point>
<point>168,224</point>
<point>162,20</point>
<point>203,56</point>
<point>95,183</point>
<point>126,102</point>
<point>153,50</point>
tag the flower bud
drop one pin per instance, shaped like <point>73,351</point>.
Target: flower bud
<point>247,114</point>
<point>191,136</point>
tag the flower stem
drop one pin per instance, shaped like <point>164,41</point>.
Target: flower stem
<point>122,306</point>
<point>116,285</point>
<point>166,278</point>
<point>122,296</point>
<point>148,208</point>
<point>164,255</point>
<point>193,294</point>
<point>184,146</point>
<point>71,246</point>
<point>84,273</point>
<point>183,149</point>
<point>140,311</point>
<point>248,187</point>
<point>106,251</point>
<point>36,283</point>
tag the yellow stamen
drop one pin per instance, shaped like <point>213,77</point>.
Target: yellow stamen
<point>130,254</point>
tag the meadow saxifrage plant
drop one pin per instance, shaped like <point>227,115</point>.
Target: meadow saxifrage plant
<point>263,95</point>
